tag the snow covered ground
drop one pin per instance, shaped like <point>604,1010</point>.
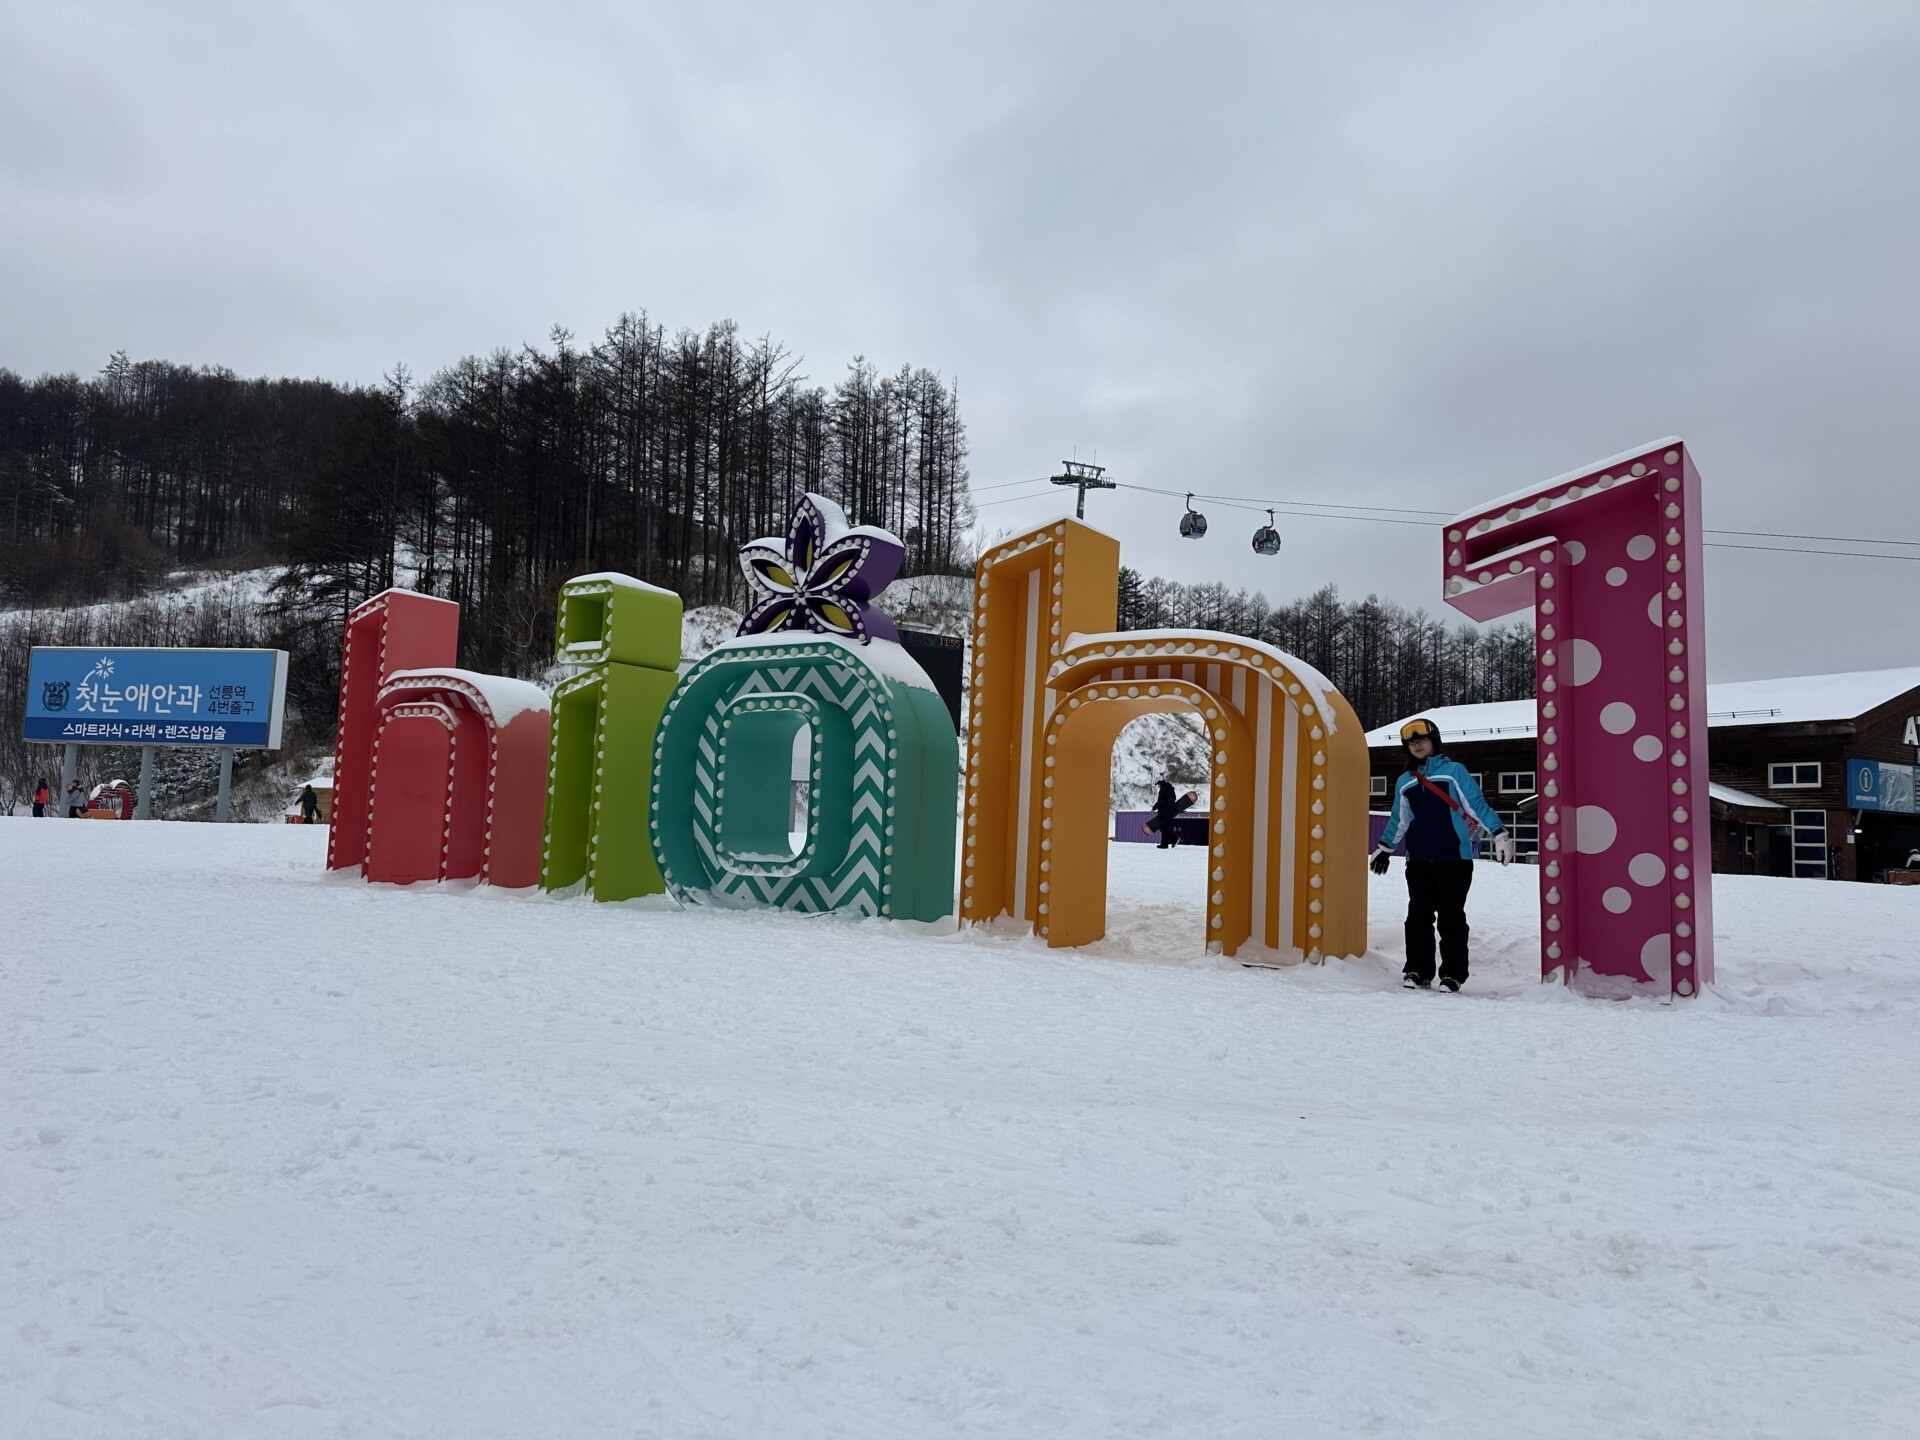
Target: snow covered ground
<point>283,1154</point>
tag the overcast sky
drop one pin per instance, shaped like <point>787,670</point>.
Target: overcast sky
<point>1401,255</point>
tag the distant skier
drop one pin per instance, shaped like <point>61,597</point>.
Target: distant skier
<point>309,807</point>
<point>76,801</point>
<point>42,797</point>
<point>1165,807</point>
<point>1436,810</point>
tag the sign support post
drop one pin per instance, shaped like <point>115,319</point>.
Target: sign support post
<point>69,772</point>
<point>221,806</point>
<point>143,801</point>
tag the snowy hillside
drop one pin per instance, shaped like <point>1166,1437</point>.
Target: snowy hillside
<point>1156,746</point>
<point>183,596</point>
<point>940,603</point>
<point>285,1154</point>
<point>703,628</point>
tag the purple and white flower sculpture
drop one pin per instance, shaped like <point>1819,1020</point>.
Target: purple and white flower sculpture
<point>824,576</point>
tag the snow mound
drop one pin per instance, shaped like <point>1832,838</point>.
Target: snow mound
<point>704,628</point>
<point>505,697</point>
<point>885,658</point>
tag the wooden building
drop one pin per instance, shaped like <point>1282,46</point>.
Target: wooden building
<point>1813,775</point>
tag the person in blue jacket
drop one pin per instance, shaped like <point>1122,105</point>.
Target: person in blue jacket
<point>1437,810</point>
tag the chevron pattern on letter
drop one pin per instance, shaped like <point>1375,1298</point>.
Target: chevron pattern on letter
<point>862,873</point>
<point>859,880</point>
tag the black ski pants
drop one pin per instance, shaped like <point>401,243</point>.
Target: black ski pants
<point>1437,893</point>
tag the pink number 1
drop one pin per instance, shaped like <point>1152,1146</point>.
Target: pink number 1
<point>1609,557</point>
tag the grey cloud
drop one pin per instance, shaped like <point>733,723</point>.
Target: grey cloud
<point>1396,254</point>
<point>1486,254</point>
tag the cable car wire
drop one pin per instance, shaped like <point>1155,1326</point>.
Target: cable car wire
<point>1801,550</point>
<point>1382,515</point>
<point>1838,539</point>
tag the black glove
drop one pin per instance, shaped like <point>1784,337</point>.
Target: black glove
<point>1379,862</point>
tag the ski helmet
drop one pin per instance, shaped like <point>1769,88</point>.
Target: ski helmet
<point>1420,729</point>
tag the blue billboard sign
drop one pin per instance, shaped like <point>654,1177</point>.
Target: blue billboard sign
<point>1876,785</point>
<point>105,696</point>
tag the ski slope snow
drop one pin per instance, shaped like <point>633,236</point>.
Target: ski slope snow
<point>285,1154</point>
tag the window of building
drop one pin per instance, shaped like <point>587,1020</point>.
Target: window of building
<point>1516,782</point>
<point>1379,787</point>
<point>1794,775</point>
<point>1525,825</point>
<point>1810,844</point>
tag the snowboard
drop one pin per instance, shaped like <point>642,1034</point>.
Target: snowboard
<point>1185,802</point>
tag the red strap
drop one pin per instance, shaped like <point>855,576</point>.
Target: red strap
<point>1473,821</point>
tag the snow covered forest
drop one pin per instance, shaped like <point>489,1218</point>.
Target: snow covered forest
<point>501,476</point>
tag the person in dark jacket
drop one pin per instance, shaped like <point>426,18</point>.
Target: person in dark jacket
<point>309,807</point>
<point>1436,810</point>
<point>42,797</point>
<point>1165,807</point>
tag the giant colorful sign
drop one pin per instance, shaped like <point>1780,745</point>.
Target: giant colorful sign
<point>641,783</point>
<point>156,696</point>
<point>1609,557</point>
<point>625,636</point>
<point>813,659</point>
<point>876,829</point>
<point>1054,684</point>
<point>438,773</point>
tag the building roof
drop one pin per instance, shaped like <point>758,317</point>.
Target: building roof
<point>1793,700</point>
<point>1727,795</point>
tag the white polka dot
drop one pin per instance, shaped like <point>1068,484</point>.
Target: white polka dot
<point>1576,552</point>
<point>1616,576</point>
<point>1646,869</point>
<point>1617,718</point>
<point>1656,958</point>
<point>1617,900</point>
<point>1640,547</point>
<point>1647,747</point>
<point>1653,610</point>
<point>1586,661</point>
<point>1593,829</point>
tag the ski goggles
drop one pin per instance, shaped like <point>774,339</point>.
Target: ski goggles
<point>1417,730</point>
